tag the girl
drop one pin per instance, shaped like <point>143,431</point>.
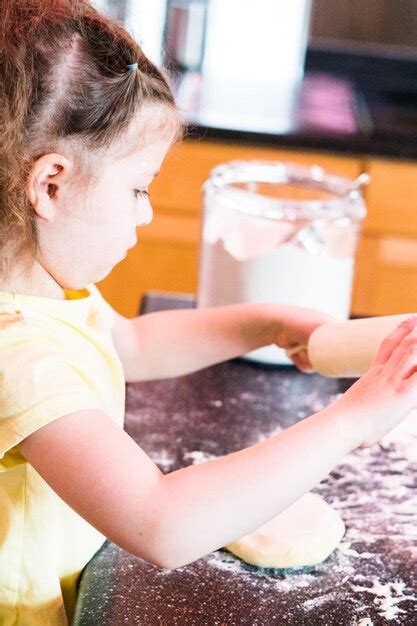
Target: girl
<point>86,120</point>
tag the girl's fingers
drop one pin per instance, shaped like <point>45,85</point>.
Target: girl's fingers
<point>407,365</point>
<point>410,385</point>
<point>408,344</point>
<point>301,361</point>
<point>395,338</point>
<point>290,352</point>
<point>412,381</point>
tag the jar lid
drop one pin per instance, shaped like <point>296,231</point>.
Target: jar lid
<point>345,196</point>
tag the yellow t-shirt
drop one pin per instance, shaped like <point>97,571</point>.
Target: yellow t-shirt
<point>56,357</point>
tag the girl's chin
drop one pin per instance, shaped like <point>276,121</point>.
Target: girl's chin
<point>105,272</point>
<point>108,268</point>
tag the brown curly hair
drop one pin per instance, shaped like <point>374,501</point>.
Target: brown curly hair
<point>65,87</point>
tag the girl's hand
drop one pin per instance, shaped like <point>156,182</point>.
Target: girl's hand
<point>387,393</point>
<point>294,332</point>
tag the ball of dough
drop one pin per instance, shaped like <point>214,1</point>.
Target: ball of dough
<point>304,534</point>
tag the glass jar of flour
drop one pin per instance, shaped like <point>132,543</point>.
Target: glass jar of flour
<point>279,232</point>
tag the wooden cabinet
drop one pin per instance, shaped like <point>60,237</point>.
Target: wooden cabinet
<point>391,198</point>
<point>386,266</point>
<point>167,253</point>
<point>386,276</point>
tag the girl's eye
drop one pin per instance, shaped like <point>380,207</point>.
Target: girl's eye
<point>141,192</point>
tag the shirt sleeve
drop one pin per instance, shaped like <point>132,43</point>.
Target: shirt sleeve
<point>37,386</point>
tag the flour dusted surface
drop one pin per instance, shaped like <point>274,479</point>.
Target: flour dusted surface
<point>370,580</point>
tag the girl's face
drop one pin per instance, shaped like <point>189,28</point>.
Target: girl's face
<point>81,244</point>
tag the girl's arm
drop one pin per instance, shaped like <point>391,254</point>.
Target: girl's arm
<point>174,343</point>
<point>96,468</point>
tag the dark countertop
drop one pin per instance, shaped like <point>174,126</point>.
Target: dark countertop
<point>326,111</point>
<point>370,577</point>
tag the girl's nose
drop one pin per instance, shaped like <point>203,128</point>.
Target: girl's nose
<point>145,214</point>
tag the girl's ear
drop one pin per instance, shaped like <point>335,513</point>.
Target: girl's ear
<point>46,177</point>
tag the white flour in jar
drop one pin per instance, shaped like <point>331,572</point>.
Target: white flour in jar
<point>246,256</point>
<point>288,274</point>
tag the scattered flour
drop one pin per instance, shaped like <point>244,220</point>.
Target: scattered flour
<point>197,457</point>
<point>216,403</point>
<point>163,459</point>
<point>371,577</point>
<point>387,597</point>
<point>379,507</point>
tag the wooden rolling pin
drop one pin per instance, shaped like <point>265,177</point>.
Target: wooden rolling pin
<point>346,349</point>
